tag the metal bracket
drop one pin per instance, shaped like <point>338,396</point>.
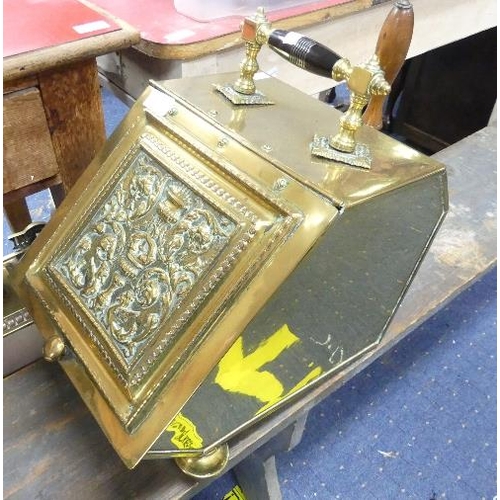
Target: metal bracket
<point>242,99</point>
<point>360,157</point>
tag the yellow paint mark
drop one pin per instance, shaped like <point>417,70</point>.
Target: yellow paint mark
<point>308,378</point>
<point>242,374</point>
<point>239,373</point>
<point>185,434</point>
<point>235,494</point>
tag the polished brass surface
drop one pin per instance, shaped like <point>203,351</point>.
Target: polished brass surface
<point>205,465</point>
<point>53,349</point>
<point>337,303</point>
<point>254,31</point>
<point>335,307</point>
<point>300,117</point>
<point>251,33</point>
<point>363,81</point>
<point>172,239</point>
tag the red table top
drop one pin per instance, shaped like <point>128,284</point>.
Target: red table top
<point>159,22</point>
<point>30,25</point>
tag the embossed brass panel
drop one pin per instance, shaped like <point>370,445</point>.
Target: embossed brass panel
<point>204,228</point>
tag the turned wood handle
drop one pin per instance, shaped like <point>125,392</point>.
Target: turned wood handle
<point>392,47</point>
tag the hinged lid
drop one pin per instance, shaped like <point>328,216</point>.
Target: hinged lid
<point>168,245</point>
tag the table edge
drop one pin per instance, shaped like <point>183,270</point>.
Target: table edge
<point>33,62</point>
<point>230,40</point>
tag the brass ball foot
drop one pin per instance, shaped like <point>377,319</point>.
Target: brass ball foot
<point>205,465</point>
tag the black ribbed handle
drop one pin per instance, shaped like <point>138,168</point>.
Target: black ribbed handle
<point>303,52</point>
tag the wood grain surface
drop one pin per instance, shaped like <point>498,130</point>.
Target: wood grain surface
<point>53,127</point>
<point>25,132</point>
<point>17,213</point>
<point>72,101</point>
<point>392,48</point>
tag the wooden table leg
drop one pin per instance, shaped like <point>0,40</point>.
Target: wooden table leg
<point>71,97</point>
<point>57,193</point>
<point>18,214</point>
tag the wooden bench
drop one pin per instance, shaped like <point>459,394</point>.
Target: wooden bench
<point>53,122</point>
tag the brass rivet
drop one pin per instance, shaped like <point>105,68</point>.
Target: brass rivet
<point>53,349</point>
<point>280,184</point>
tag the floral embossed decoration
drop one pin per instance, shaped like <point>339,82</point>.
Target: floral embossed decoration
<point>142,252</point>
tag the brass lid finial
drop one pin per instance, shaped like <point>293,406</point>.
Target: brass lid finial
<point>364,81</point>
<point>254,31</point>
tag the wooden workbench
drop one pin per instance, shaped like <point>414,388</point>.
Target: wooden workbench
<point>174,46</point>
<point>53,120</point>
<point>53,447</point>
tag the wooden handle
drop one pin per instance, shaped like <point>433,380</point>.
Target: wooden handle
<point>392,47</point>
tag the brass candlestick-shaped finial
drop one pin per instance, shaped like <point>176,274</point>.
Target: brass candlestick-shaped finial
<point>364,82</point>
<point>253,31</point>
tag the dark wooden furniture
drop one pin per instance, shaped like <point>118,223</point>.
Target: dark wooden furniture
<point>448,93</point>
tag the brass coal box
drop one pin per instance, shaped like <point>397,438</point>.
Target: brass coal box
<point>203,227</point>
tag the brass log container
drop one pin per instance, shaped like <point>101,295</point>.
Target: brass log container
<point>186,232</point>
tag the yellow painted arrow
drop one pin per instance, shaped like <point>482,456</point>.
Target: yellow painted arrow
<point>244,375</point>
